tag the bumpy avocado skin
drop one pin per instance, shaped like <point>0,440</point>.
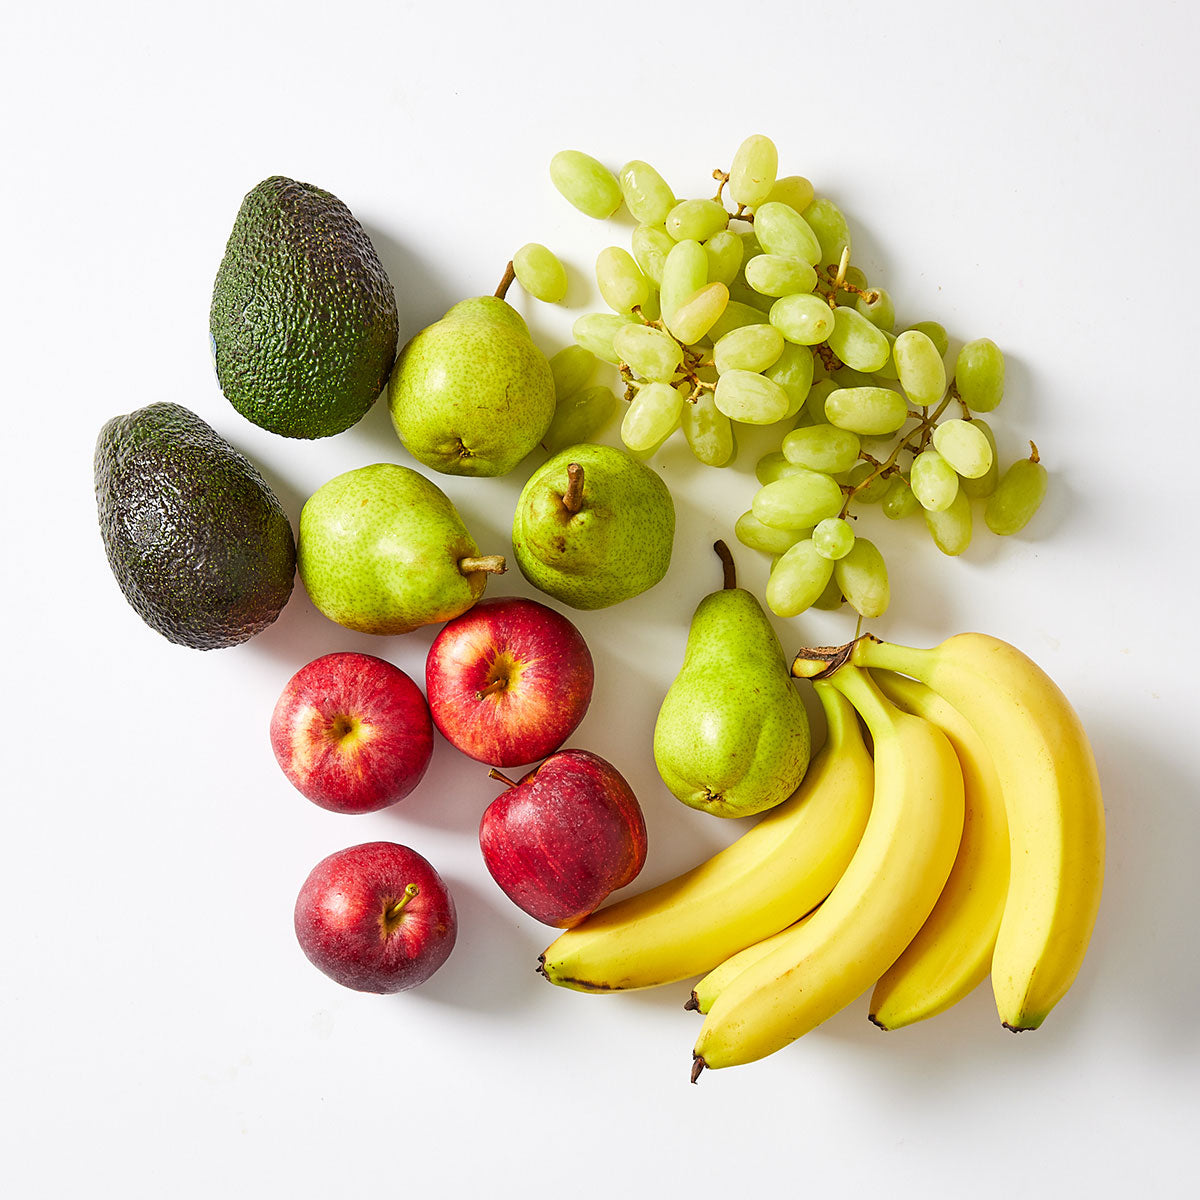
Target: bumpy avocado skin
<point>198,542</point>
<point>303,319</point>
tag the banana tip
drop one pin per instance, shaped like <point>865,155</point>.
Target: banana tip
<point>698,1065</point>
<point>691,1004</point>
<point>876,1021</point>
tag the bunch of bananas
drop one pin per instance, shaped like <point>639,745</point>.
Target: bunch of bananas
<point>968,839</point>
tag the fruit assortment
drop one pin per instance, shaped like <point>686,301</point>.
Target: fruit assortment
<point>951,824</point>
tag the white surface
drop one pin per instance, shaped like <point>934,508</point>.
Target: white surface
<point>1025,172</point>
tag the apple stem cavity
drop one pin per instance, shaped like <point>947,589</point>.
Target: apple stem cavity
<point>497,685</point>
<point>506,282</point>
<point>504,779</point>
<point>493,564</point>
<point>728,567</point>
<point>394,912</point>
<point>573,496</point>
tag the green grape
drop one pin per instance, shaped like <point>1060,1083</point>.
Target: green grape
<point>871,492</point>
<point>831,598</point>
<point>862,576</point>
<point>797,500</point>
<point>751,398</point>
<point>964,446</point>
<point>752,172</point>
<point>571,367</point>
<point>985,485</point>
<point>856,341</point>
<point>751,246</point>
<point>847,377</point>
<point>696,220</point>
<point>586,183</point>
<point>951,528</point>
<point>876,305</point>
<point>919,367</point>
<point>540,273</point>
<point>935,333</point>
<point>797,579</point>
<point>815,401</point>
<point>724,252</point>
<point>751,348</point>
<point>833,233</point>
<point>578,417</point>
<point>1018,496</point>
<point>933,480</point>
<point>822,448</point>
<point>780,274</point>
<point>708,431</point>
<point>740,290</point>
<point>899,501</point>
<point>595,332</point>
<point>774,466</point>
<point>684,273</point>
<point>692,319</point>
<point>750,531</point>
<point>833,538</point>
<point>650,245</point>
<point>888,370</point>
<point>793,371</point>
<point>856,279</point>
<point>622,285</point>
<point>649,309</point>
<point>979,375</point>
<point>736,316</point>
<point>647,195</point>
<point>650,353</point>
<point>793,190</point>
<point>866,410</point>
<point>782,230</point>
<point>652,416</point>
<point>803,318</point>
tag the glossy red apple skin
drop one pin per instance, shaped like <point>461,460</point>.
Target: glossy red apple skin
<point>541,660</point>
<point>352,732</point>
<point>343,925</point>
<point>565,837</point>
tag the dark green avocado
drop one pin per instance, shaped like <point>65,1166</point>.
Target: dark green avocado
<point>303,319</point>
<point>197,540</point>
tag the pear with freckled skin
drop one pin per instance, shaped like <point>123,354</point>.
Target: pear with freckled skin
<point>471,394</point>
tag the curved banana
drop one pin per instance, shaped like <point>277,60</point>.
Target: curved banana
<point>952,953</point>
<point>1052,796</point>
<point>705,993</point>
<point>777,871</point>
<point>884,897</point>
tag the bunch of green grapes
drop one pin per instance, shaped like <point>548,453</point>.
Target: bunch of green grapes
<point>753,315</point>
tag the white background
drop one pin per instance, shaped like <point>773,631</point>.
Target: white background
<point>1023,171</point>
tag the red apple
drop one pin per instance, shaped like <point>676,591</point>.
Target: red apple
<point>566,836</point>
<point>508,681</point>
<point>352,732</point>
<point>376,918</point>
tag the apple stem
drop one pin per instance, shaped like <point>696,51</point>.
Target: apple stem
<point>728,567</point>
<point>494,774</point>
<point>573,496</point>
<point>409,892</point>
<point>509,275</point>
<point>493,564</point>
<point>497,685</point>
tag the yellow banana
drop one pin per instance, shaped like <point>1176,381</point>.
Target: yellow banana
<point>952,953</point>
<point>705,993</point>
<point>777,871</point>
<point>1052,796</point>
<point>884,897</point>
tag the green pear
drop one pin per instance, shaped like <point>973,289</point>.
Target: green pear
<point>471,394</point>
<point>594,526</point>
<point>383,550</point>
<point>732,734</point>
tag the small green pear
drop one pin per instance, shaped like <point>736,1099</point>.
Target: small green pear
<point>732,734</point>
<point>594,526</point>
<point>471,394</point>
<point>383,550</point>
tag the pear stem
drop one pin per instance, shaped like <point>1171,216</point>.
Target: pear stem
<point>728,567</point>
<point>493,564</point>
<point>573,496</point>
<point>497,685</point>
<point>506,282</point>
<point>494,774</point>
<point>397,908</point>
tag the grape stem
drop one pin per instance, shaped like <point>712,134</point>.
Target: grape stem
<point>506,281</point>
